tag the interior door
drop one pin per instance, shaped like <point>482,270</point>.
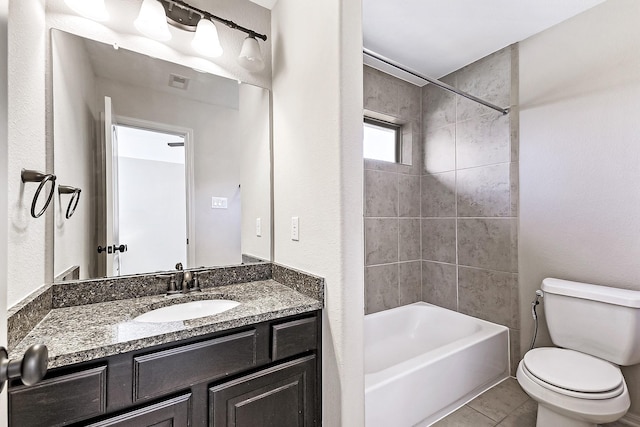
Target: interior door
<point>111,186</point>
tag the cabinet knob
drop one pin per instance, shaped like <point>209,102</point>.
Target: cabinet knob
<point>30,369</point>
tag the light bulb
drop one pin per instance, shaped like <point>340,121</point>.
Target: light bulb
<point>92,9</point>
<point>250,55</point>
<point>152,21</point>
<point>206,41</point>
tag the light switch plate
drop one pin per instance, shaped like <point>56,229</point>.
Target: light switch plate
<point>218,203</point>
<point>258,227</point>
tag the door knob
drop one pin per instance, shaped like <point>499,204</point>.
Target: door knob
<point>30,369</point>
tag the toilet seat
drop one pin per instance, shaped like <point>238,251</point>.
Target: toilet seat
<point>573,374</point>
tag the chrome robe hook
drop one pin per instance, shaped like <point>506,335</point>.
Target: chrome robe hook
<point>35,176</point>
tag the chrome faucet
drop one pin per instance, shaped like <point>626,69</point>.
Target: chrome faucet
<point>190,282</point>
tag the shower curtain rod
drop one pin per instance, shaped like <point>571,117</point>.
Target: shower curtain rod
<point>434,81</point>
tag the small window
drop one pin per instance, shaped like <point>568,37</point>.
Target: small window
<point>381,140</point>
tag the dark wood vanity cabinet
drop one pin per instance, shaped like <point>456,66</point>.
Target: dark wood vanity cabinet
<point>262,375</point>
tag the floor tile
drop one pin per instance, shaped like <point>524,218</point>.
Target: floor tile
<point>465,416</point>
<point>523,416</point>
<point>499,401</point>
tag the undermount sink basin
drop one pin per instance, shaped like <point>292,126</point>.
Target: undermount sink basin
<point>187,310</point>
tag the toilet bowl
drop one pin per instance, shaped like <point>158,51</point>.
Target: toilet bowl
<point>596,329</point>
<point>573,389</point>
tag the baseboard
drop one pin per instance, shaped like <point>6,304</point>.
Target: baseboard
<point>630,419</point>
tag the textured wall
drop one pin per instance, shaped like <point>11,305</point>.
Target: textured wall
<point>469,194</point>
<point>317,148</point>
<point>26,259</point>
<point>392,198</point>
<point>580,157</point>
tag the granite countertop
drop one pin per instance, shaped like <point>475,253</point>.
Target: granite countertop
<point>86,332</point>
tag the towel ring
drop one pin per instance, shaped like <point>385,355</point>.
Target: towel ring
<point>35,176</point>
<point>65,189</point>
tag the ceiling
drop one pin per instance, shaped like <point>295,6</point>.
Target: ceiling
<point>436,37</point>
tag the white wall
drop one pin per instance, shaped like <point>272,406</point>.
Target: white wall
<point>580,157</point>
<point>255,172</point>
<point>26,254</point>
<point>74,124</point>
<point>317,146</point>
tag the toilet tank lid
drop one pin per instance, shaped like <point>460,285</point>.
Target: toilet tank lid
<point>607,294</point>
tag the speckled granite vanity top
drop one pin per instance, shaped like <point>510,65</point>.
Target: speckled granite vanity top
<point>85,332</point>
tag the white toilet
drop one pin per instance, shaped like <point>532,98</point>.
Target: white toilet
<point>580,384</point>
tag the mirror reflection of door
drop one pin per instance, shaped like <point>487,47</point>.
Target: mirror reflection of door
<point>148,198</point>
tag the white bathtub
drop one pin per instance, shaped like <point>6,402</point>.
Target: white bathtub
<point>423,361</point>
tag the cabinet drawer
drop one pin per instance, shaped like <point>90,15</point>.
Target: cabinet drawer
<point>293,337</point>
<point>61,400</point>
<point>170,413</point>
<point>170,370</point>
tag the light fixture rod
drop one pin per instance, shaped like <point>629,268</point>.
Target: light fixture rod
<point>226,22</point>
<point>436,82</point>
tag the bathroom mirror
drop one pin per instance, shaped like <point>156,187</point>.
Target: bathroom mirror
<point>173,164</point>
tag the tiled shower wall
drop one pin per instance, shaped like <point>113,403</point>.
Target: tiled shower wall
<point>453,229</point>
<point>470,194</point>
<point>393,270</point>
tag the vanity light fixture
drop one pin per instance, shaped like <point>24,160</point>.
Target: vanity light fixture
<point>189,18</point>
<point>206,41</point>
<point>92,9</point>
<point>151,21</point>
<point>250,55</point>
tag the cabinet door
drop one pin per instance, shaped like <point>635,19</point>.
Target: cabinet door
<point>169,413</point>
<point>280,396</point>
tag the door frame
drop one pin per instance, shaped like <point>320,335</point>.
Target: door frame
<point>189,163</point>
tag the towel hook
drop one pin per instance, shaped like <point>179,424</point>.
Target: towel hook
<point>65,189</point>
<point>35,176</point>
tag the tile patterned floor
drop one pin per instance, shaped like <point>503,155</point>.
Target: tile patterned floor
<point>504,405</point>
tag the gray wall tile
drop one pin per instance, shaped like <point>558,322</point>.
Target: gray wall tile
<point>380,194</point>
<point>409,196</point>
<point>486,294</point>
<point>440,149</point>
<point>514,350</point>
<point>380,92</point>
<point>439,240</point>
<point>484,191</point>
<point>380,240</point>
<point>381,287</point>
<point>438,106</point>
<point>514,188</point>
<point>439,284</point>
<point>410,103</point>
<point>410,282</point>
<point>488,79</point>
<point>379,165</point>
<point>486,243</point>
<point>482,141</point>
<point>439,195</point>
<point>409,240</point>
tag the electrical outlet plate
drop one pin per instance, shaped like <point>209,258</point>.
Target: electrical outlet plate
<point>295,228</point>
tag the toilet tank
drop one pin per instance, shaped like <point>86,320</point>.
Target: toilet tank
<point>598,320</point>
